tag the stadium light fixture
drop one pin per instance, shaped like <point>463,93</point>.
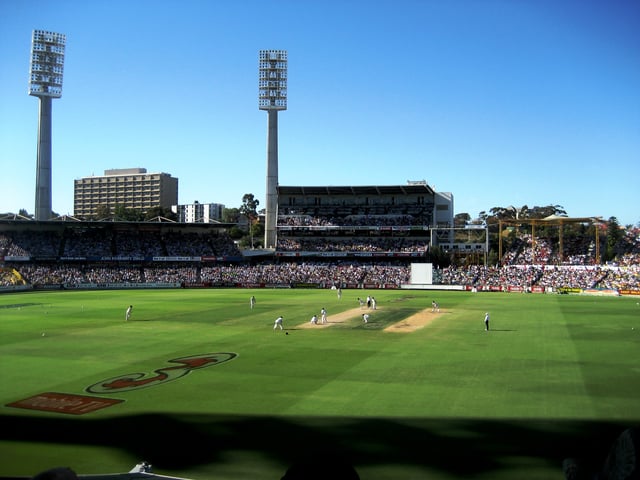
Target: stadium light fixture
<point>273,80</point>
<point>45,82</point>
<point>47,64</point>
<point>272,97</point>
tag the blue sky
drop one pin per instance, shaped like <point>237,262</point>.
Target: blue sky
<point>501,102</point>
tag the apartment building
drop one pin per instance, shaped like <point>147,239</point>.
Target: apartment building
<point>199,212</point>
<point>133,188</point>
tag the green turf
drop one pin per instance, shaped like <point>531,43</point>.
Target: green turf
<point>556,376</point>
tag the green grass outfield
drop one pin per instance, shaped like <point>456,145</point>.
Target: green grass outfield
<point>556,376</point>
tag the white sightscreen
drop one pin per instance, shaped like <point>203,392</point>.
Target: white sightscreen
<point>422,273</point>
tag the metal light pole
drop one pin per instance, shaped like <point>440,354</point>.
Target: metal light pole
<point>45,82</point>
<point>272,97</point>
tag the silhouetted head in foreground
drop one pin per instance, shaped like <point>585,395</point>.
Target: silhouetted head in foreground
<point>58,473</point>
<point>321,467</point>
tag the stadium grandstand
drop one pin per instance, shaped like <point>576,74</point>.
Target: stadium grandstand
<point>352,237</point>
<point>360,222</point>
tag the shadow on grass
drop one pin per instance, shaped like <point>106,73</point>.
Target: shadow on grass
<point>20,305</point>
<point>456,448</point>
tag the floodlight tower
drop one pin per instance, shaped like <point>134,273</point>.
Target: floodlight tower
<point>272,97</point>
<point>45,82</point>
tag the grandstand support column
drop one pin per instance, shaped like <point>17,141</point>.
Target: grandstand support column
<point>499,241</point>
<point>597,225</point>
<point>533,243</point>
<point>561,246</point>
<point>43,167</point>
<point>271,217</point>
<point>486,245</point>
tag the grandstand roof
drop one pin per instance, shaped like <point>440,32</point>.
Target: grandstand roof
<point>14,216</point>
<point>66,218</point>
<point>330,190</point>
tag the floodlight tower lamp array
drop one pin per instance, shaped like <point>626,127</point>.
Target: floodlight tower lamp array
<point>272,82</point>
<point>47,64</point>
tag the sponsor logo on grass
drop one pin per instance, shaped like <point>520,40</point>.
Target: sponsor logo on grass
<point>80,404</point>
<point>136,381</point>
<point>64,403</point>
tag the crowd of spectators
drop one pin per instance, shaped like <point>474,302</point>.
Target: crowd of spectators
<point>525,252</point>
<point>24,243</point>
<point>322,273</point>
<point>545,276</point>
<point>575,251</point>
<point>361,244</point>
<point>281,273</point>
<point>171,274</point>
<point>85,243</point>
<point>58,274</point>
<point>333,273</point>
<point>350,220</point>
<point>521,266</point>
<point>98,242</point>
<point>8,278</point>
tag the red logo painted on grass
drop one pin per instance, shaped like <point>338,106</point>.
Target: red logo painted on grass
<point>136,381</point>
<point>80,404</point>
<point>64,403</point>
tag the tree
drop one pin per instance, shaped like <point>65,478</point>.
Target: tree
<point>103,211</point>
<point>249,209</point>
<point>614,236</point>
<point>123,213</point>
<point>438,257</point>
<point>461,219</point>
<point>510,213</point>
<point>23,213</point>
<point>231,215</point>
<point>155,212</point>
<point>258,232</point>
<point>547,211</point>
<point>235,233</point>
